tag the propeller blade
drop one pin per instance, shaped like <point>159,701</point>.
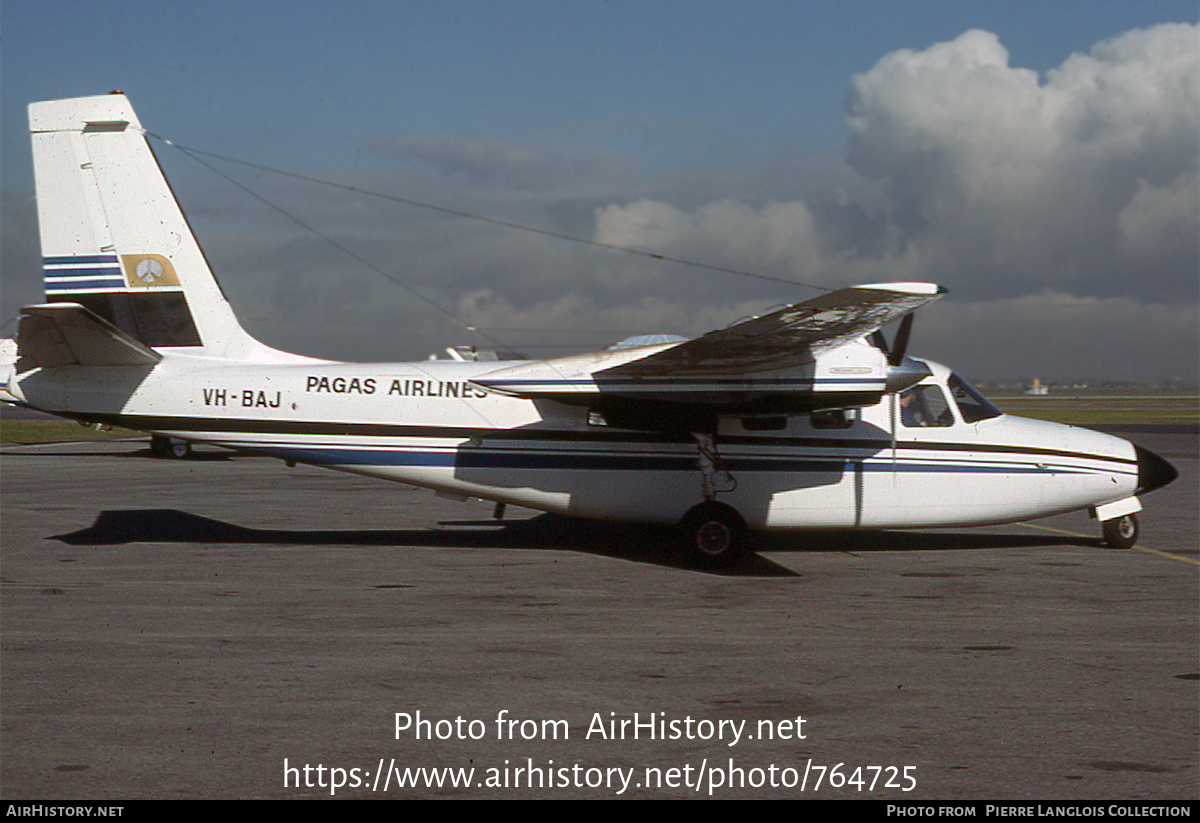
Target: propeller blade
<point>879,341</point>
<point>900,344</point>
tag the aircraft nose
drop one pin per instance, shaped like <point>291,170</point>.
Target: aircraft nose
<point>1153,471</point>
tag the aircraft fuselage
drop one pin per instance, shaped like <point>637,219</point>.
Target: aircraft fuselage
<point>428,425</point>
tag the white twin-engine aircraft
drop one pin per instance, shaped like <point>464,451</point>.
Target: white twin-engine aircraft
<point>802,418</point>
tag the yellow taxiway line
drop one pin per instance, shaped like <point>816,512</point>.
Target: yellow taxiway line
<point>1145,549</point>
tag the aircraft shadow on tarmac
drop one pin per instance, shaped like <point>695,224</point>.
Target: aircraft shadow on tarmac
<point>545,532</point>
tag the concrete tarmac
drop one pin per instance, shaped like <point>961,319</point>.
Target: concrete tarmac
<point>225,627</point>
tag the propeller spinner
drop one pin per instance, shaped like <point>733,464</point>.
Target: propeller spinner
<point>903,372</point>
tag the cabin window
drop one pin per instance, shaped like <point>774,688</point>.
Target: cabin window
<point>832,419</point>
<point>972,405</point>
<point>923,406</point>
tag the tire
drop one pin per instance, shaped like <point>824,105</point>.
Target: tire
<point>714,536</point>
<point>159,445</point>
<point>170,447</point>
<point>1121,532</point>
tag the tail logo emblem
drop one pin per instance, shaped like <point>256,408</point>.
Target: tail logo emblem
<point>148,270</point>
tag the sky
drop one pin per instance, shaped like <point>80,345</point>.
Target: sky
<point>1040,160</point>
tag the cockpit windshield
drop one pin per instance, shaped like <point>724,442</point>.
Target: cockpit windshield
<point>971,404</point>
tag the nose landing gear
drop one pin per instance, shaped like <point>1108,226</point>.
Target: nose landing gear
<point>1121,532</point>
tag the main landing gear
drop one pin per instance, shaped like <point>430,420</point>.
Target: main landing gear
<point>714,534</point>
<point>173,447</point>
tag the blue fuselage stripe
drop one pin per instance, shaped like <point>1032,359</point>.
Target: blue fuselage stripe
<point>488,459</point>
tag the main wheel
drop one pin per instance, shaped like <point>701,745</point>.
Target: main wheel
<point>1121,532</point>
<point>173,447</point>
<point>159,445</point>
<point>714,535</point>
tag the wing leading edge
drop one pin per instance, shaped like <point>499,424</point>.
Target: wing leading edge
<point>793,359</point>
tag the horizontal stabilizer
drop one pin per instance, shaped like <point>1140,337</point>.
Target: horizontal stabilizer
<point>67,334</point>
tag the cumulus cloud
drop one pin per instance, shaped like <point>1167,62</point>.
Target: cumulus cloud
<point>1158,219</point>
<point>997,181</point>
<point>1037,200</point>
<point>775,237</point>
<point>1003,181</point>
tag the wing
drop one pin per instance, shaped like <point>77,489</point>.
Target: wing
<point>788,337</point>
<point>795,359</point>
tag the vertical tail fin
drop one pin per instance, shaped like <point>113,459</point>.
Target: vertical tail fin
<point>113,237</point>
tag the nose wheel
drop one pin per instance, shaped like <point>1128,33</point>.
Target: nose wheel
<point>1120,532</point>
